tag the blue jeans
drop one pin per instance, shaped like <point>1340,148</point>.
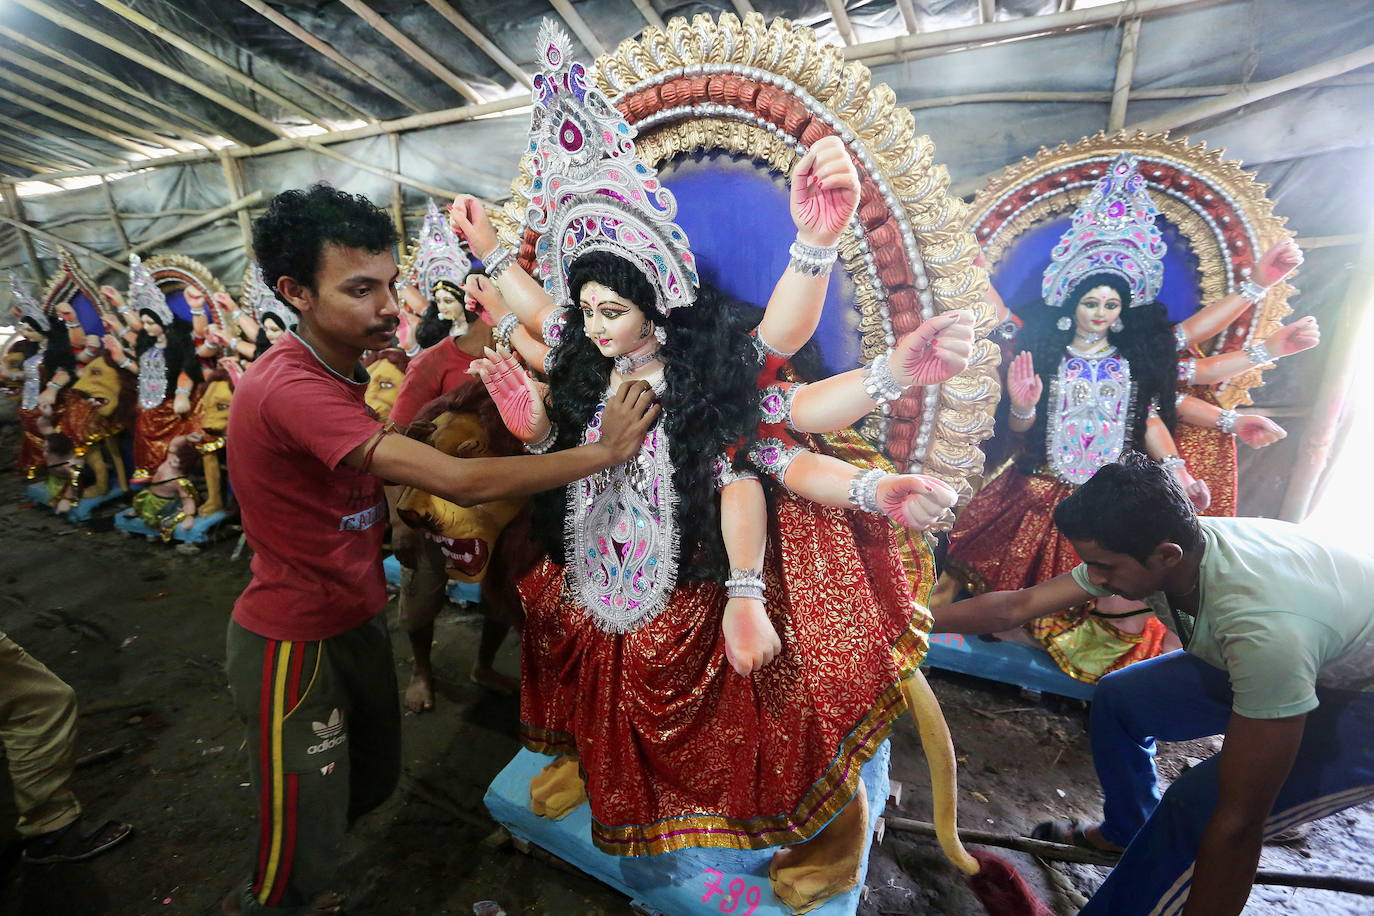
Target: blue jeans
<point>1177,697</point>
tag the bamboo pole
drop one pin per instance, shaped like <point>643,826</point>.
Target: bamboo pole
<point>413,50</point>
<point>23,131</point>
<point>12,158</point>
<point>744,7</point>
<point>887,50</point>
<point>510,105</point>
<point>579,26</point>
<point>71,60</point>
<point>15,208</point>
<point>233,178</point>
<point>987,11</point>
<point>209,60</point>
<point>76,85</point>
<point>90,33</point>
<point>841,20</point>
<point>114,213</point>
<point>57,241</point>
<point>83,126</point>
<point>1125,70</point>
<point>1331,403</point>
<point>379,171</point>
<point>28,146</point>
<point>479,38</point>
<point>1255,92</point>
<point>1062,852</point>
<point>651,16</point>
<point>398,216</point>
<point>300,33</point>
<point>182,228</point>
<point>90,111</point>
<point>913,25</point>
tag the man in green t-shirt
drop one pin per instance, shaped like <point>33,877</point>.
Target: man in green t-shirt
<point>1277,629</point>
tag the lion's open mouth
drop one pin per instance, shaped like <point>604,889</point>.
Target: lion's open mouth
<point>464,555</point>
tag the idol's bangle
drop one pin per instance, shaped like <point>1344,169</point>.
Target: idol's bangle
<point>863,490</point>
<point>414,350</point>
<point>1258,354</point>
<point>745,583</point>
<point>1180,336</point>
<point>183,390</point>
<point>506,327</point>
<point>880,384</point>
<point>1187,371</point>
<point>1018,415</point>
<point>127,364</point>
<point>1226,421</point>
<point>1251,291</point>
<point>812,260</point>
<point>544,444</point>
<point>71,324</point>
<point>497,261</point>
<point>55,386</point>
<point>1172,463</point>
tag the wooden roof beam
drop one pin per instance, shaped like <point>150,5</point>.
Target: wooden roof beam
<point>987,11</point>
<point>579,26</point>
<point>651,16</point>
<point>195,52</point>
<point>132,130</point>
<point>840,17</point>
<point>1125,72</point>
<point>76,85</point>
<point>744,7</point>
<point>913,25</point>
<point>70,59</point>
<point>23,130</point>
<point>479,38</point>
<point>300,33</point>
<point>23,146</point>
<point>413,50</point>
<point>60,242</point>
<point>86,127</point>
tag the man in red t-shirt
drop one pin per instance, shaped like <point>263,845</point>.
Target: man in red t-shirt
<point>309,659</point>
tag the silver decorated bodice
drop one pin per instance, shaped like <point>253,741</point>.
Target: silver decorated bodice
<point>33,382</point>
<point>1089,414</point>
<point>621,535</point>
<point>152,377</point>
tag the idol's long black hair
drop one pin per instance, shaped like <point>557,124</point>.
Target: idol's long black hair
<point>181,348</point>
<point>710,401</point>
<point>1146,340</point>
<point>433,327</point>
<point>57,354</point>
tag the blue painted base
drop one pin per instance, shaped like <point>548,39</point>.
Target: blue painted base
<point>458,592</point>
<point>38,494</point>
<point>674,883</point>
<point>1010,663</point>
<point>201,532</point>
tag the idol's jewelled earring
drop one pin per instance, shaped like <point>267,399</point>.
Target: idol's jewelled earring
<point>660,335</point>
<point>1117,327</point>
<point>1064,323</point>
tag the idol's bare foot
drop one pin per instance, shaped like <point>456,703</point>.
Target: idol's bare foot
<point>420,692</point>
<point>808,874</point>
<point>558,789</point>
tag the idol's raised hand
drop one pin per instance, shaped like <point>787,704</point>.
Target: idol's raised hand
<point>468,218</point>
<point>914,500</point>
<point>936,351</point>
<point>825,191</point>
<point>1024,386</point>
<point>519,398</point>
<point>1278,262</point>
<point>1303,334</point>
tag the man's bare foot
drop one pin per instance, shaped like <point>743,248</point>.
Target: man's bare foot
<point>808,874</point>
<point>558,789</point>
<point>419,693</point>
<point>492,679</point>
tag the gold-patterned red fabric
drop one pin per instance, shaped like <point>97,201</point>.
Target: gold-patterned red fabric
<point>30,461</point>
<point>85,425</point>
<point>154,430</point>
<point>679,750</point>
<point>1006,539</point>
<point>1211,457</point>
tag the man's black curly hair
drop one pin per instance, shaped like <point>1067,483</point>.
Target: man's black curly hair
<point>290,237</point>
<point>1130,507</point>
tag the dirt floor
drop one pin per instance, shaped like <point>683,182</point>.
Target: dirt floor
<point>138,630</point>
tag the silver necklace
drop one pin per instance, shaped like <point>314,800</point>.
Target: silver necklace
<point>627,364</point>
<point>1091,338</point>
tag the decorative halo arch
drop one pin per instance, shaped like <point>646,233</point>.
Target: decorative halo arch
<point>177,271</point>
<point>766,93</point>
<point>71,284</point>
<point>1216,206</point>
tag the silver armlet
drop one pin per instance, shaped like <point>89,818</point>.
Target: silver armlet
<point>552,328</point>
<point>1251,291</point>
<point>1226,421</point>
<point>773,457</point>
<point>1258,354</point>
<point>497,261</point>
<point>745,583</point>
<point>863,490</point>
<point>1180,336</point>
<point>775,404</point>
<point>880,384</point>
<point>544,444</point>
<point>811,259</point>
<point>765,349</point>
<point>1172,463</point>
<point>725,475</point>
<point>1187,371</point>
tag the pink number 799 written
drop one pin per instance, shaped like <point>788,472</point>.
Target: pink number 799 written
<point>737,887</point>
